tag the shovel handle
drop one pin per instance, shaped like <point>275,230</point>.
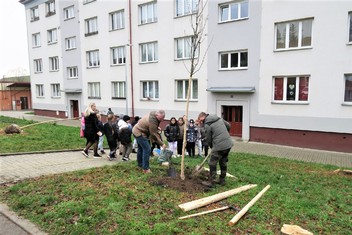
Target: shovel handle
<point>205,159</point>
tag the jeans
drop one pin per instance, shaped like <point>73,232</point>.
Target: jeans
<point>143,153</point>
<point>100,145</point>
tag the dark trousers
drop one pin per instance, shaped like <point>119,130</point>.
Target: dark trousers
<point>191,148</point>
<point>112,147</point>
<point>220,157</point>
<point>179,146</point>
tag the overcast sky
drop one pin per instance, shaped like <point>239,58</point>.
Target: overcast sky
<point>13,38</point>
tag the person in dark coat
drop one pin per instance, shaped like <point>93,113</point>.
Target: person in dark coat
<point>109,131</point>
<point>91,130</point>
<point>220,142</point>
<point>181,125</point>
<point>191,135</point>
<point>172,132</point>
<point>125,133</point>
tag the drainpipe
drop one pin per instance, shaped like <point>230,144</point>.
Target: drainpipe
<point>131,64</point>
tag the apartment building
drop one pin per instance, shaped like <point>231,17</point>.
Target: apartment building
<point>278,75</point>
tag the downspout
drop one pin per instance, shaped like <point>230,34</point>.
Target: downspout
<point>131,64</point>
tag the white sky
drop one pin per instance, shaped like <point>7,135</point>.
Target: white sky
<point>13,39</point>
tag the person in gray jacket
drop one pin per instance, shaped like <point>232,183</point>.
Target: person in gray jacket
<point>219,140</point>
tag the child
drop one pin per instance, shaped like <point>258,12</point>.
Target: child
<point>125,132</point>
<point>109,131</point>
<point>101,137</point>
<point>191,138</point>
<point>155,145</point>
<point>172,132</point>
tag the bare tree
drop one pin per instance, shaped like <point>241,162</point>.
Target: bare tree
<point>198,24</point>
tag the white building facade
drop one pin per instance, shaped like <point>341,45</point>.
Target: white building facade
<point>278,75</point>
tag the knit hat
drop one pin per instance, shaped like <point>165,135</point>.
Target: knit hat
<point>191,121</point>
<point>126,118</point>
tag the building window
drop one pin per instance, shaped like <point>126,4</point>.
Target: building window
<point>70,43</point>
<point>38,66</point>
<point>184,48</point>
<point>117,20</point>
<point>186,7</point>
<point>72,72</point>
<point>88,1</point>
<point>34,13</point>
<point>149,52</point>
<point>118,55</point>
<point>234,60</point>
<point>148,13</point>
<point>348,88</point>
<point>350,28</point>
<point>118,90</point>
<point>93,89</point>
<point>69,12</point>
<point>55,90</point>
<point>291,89</point>
<point>293,34</point>
<point>53,63</point>
<point>91,26</point>
<point>150,90</point>
<point>50,8</point>
<point>36,40</point>
<point>52,36</point>
<point>93,59</point>
<point>233,11</point>
<point>39,90</point>
<point>182,88</point>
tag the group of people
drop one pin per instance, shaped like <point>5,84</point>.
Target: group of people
<point>207,131</point>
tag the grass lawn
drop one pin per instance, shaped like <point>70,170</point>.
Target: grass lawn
<point>120,200</point>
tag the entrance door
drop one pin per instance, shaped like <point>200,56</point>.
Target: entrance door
<point>233,114</point>
<point>24,102</point>
<point>74,108</point>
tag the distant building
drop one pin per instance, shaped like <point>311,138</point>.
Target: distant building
<point>279,71</point>
<point>15,93</point>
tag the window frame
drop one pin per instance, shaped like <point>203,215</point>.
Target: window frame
<point>38,65</point>
<point>347,89</point>
<point>193,96</point>
<point>52,36</point>
<point>70,41</point>
<point>117,20</point>
<point>39,90</point>
<point>155,92</point>
<point>229,60</point>
<point>147,48</point>
<point>36,40</point>
<point>93,54</point>
<point>297,88</point>
<point>88,1</point>
<point>182,6</point>
<point>186,48</point>
<point>55,90</point>
<point>72,70</point>
<point>143,9</point>
<point>69,12</point>
<point>94,90</point>
<point>50,8</point>
<point>287,37</point>
<point>34,11</point>
<point>349,30</point>
<point>118,92</point>
<point>228,6</point>
<point>91,26</point>
<point>54,64</point>
<point>115,54</point>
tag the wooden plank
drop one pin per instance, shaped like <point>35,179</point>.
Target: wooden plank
<point>205,212</point>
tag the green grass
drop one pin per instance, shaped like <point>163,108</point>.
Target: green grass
<point>120,200</point>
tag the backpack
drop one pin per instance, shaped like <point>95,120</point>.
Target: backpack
<point>83,126</point>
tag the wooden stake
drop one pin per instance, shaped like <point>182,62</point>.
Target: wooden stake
<point>54,120</point>
<point>218,173</point>
<point>217,197</point>
<point>246,208</point>
<point>205,212</point>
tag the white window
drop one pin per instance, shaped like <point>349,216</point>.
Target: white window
<point>186,7</point>
<point>52,36</point>
<point>184,48</point>
<point>150,90</point>
<point>149,52</point>
<point>91,26</point>
<point>88,1</point>
<point>38,66</point>
<point>348,88</point>
<point>182,88</point>
<point>72,72</point>
<point>54,63</point>
<point>39,90</point>
<point>350,28</point>
<point>291,89</point>
<point>293,34</point>
<point>233,11</point>
<point>147,13</point>
<point>118,90</point>
<point>93,89</point>
<point>69,12</point>
<point>36,40</point>
<point>93,59</point>
<point>34,13</point>
<point>118,55</point>
<point>117,20</point>
<point>55,90</point>
<point>234,60</point>
<point>70,43</point>
<point>50,8</point>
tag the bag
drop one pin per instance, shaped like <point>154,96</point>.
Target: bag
<point>83,125</point>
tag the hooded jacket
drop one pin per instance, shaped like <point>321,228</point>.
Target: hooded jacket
<point>148,128</point>
<point>217,133</point>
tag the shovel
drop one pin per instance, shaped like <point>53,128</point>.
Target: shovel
<point>199,168</point>
<point>171,171</point>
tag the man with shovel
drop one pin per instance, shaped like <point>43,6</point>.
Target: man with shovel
<point>219,140</point>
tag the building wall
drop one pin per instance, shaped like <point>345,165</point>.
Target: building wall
<point>10,99</point>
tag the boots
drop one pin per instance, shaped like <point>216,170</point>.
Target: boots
<point>211,180</point>
<point>221,180</point>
